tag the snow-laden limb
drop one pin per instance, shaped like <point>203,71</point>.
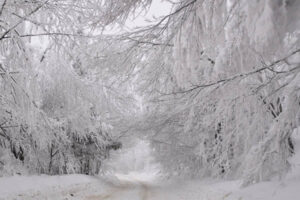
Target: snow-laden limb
<point>225,98</point>
<point>50,119</point>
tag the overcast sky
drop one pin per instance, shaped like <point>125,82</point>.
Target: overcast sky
<point>158,8</point>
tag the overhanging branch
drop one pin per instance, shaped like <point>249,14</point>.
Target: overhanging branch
<point>267,67</point>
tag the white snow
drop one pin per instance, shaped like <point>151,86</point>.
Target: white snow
<point>138,184</point>
<point>134,163</point>
<point>18,186</point>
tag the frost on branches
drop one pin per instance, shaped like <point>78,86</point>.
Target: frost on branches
<point>52,109</point>
<point>214,85</point>
<point>235,100</point>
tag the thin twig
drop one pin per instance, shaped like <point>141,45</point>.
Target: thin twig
<point>49,34</point>
<point>2,7</point>
<point>21,21</point>
<point>148,42</point>
<point>3,73</point>
<point>268,67</point>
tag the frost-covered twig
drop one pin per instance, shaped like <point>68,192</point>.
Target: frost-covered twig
<point>22,20</point>
<point>268,67</point>
<point>2,7</point>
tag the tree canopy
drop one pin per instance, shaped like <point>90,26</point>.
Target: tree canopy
<point>214,84</point>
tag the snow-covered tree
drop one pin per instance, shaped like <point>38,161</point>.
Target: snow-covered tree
<point>214,84</point>
<point>220,86</point>
<point>51,117</point>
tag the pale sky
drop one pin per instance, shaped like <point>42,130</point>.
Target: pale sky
<point>158,8</point>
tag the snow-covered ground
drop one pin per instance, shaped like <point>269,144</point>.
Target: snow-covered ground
<point>80,187</point>
<point>132,183</point>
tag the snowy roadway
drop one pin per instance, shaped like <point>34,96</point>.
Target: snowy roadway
<point>136,176</point>
<point>80,187</point>
<point>130,174</point>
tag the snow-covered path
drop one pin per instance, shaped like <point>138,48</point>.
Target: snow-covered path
<point>139,179</point>
<point>132,174</point>
<point>70,188</point>
<point>81,187</point>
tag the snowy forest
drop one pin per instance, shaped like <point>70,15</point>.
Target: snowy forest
<point>211,86</point>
